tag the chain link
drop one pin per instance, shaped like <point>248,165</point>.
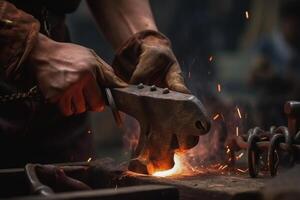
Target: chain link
<point>32,94</point>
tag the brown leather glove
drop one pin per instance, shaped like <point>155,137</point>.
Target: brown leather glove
<point>147,58</point>
<point>18,34</point>
<point>70,75</point>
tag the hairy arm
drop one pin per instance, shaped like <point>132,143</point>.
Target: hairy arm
<point>120,19</point>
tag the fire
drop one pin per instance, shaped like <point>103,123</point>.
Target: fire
<point>177,168</point>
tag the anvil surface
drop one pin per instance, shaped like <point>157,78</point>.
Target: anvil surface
<point>209,186</point>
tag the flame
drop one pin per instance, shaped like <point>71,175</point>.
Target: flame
<point>203,157</point>
<point>177,168</point>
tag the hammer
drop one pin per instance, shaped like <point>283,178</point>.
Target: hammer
<point>169,121</point>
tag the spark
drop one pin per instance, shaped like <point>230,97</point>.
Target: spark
<point>224,167</point>
<point>239,156</point>
<point>228,150</point>
<point>216,116</point>
<point>219,88</point>
<point>247,15</point>
<point>210,58</point>
<point>89,160</point>
<point>89,132</point>
<point>243,171</point>
<point>239,112</point>
<point>237,131</point>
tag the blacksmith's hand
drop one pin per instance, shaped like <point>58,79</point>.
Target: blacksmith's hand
<point>70,75</point>
<point>147,58</point>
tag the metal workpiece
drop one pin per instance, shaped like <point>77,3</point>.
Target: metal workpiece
<point>168,122</point>
<point>272,143</point>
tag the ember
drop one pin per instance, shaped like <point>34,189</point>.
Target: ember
<point>175,170</point>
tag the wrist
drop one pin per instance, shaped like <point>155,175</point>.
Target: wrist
<point>41,49</point>
<point>150,37</point>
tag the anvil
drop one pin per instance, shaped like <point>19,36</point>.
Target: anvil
<point>169,121</point>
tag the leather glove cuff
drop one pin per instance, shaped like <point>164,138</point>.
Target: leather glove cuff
<point>18,33</point>
<point>128,54</point>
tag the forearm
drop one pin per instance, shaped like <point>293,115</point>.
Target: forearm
<point>18,34</point>
<point>120,19</point>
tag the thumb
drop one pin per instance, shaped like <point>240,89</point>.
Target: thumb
<point>175,81</point>
<point>106,76</point>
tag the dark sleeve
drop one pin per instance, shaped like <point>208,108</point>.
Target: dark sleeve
<point>18,34</point>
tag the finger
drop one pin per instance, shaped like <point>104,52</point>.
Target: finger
<point>106,76</point>
<point>152,62</point>
<point>93,97</point>
<point>65,105</point>
<point>78,102</point>
<point>175,81</point>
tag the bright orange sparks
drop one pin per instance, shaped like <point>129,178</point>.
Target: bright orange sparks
<point>219,87</point>
<point>237,131</point>
<point>89,160</point>
<point>216,116</point>
<point>175,170</point>
<point>239,156</point>
<point>247,14</point>
<point>210,58</point>
<point>239,112</point>
<point>224,167</point>
<point>243,171</point>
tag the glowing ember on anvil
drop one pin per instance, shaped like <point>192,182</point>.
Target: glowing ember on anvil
<point>202,158</point>
<point>177,168</point>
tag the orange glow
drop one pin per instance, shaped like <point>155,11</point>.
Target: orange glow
<point>237,131</point>
<point>177,168</point>
<point>89,160</point>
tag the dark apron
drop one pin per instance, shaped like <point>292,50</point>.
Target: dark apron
<point>32,131</point>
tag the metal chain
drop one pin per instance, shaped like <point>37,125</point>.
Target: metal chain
<point>32,94</point>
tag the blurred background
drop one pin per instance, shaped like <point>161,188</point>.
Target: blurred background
<point>234,54</point>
